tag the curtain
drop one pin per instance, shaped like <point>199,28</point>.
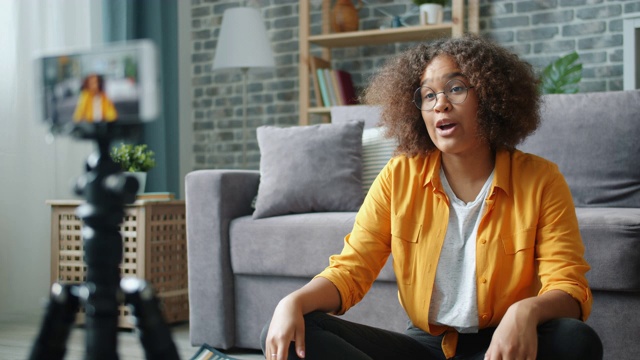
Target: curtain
<point>33,171</point>
<point>157,21</point>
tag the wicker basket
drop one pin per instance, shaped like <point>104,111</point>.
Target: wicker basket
<point>155,249</point>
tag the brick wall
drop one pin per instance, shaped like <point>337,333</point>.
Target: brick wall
<point>538,30</point>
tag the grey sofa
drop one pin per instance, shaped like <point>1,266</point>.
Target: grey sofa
<point>239,268</point>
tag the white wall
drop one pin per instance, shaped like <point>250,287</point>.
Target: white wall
<point>33,171</point>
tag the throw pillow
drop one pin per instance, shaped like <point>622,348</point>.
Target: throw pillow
<point>376,152</point>
<point>309,169</point>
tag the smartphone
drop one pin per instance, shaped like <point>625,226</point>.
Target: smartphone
<point>116,83</point>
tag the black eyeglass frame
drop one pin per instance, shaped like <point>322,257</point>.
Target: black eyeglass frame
<point>466,89</point>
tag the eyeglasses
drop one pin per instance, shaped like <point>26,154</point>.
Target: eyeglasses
<point>425,98</point>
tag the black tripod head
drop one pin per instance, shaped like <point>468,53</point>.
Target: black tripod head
<point>104,183</point>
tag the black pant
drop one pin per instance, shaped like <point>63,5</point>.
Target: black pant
<point>330,337</point>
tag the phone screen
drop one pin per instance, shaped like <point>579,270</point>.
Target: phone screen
<point>114,83</point>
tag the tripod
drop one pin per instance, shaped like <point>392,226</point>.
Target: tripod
<point>106,190</point>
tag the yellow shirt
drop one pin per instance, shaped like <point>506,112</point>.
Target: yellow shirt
<point>84,109</point>
<point>528,241</point>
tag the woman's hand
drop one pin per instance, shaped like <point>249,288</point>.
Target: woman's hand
<point>516,338</point>
<point>517,335</point>
<point>287,325</point>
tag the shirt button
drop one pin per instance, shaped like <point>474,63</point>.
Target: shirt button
<point>485,317</point>
<point>483,241</point>
<point>484,281</point>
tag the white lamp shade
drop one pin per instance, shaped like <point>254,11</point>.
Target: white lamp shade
<point>243,41</point>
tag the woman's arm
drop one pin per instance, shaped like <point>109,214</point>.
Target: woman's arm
<point>287,323</point>
<point>346,279</point>
<point>318,294</point>
<point>548,306</point>
<point>561,270</point>
<point>517,337</point>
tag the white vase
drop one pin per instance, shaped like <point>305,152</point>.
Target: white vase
<point>430,14</point>
<point>142,180</point>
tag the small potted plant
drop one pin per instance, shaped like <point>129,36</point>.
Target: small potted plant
<point>430,11</point>
<point>136,160</point>
<point>562,75</point>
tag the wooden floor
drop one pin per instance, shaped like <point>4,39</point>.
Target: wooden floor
<point>17,333</point>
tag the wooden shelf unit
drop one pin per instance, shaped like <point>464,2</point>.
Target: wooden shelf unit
<point>328,40</point>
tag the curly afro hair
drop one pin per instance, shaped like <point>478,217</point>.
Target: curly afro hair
<point>506,86</point>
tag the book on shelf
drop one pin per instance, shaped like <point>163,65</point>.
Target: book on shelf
<point>336,87</point>
<point>332,87</point>
<point>347,90</point>
<point>155,196</point>
<point>333,99</point>
<point>326,101</point>
<point>315,64</point>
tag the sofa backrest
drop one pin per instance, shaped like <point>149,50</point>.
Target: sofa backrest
<point>370,115</point>
<point>594,138</point>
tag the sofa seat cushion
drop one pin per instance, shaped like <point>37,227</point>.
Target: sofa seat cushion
<point>612,247</point>
<point>297,245</point>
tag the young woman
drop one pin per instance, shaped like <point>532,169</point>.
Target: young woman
<point>485,242</point>
<point>93,104</point>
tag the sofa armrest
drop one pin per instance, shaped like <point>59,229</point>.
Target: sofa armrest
<point>213,199</point>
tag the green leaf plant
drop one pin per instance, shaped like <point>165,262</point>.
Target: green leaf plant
<point>133,158</point>
<point>562,76</point>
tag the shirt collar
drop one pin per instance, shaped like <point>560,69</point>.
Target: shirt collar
<point>500,178</point>
<point>502,172</point>
<point>432,173</point>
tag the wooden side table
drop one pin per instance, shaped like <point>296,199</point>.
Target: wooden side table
<point>155,249</point>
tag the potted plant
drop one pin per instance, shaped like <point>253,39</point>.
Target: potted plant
<point>430,11</point>
<point>562,75</point>
<point>136,160</point>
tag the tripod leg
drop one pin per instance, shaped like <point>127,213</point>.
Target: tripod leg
<point>56,325</point>
<point>99,294</point>
<point>155,334</point>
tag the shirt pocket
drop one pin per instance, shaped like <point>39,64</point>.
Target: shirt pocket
<point>519,241</point>
<point>404,242</point>
<point>516,267</point>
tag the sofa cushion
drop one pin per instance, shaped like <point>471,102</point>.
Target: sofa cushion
<point>612,247</point>
<point>297,245</point>
<point>593,137</point>
<point>367,113</point>
<point>309,168</point>
<point>376,152</point>
<point>300,245</point>
<point>376,148</point>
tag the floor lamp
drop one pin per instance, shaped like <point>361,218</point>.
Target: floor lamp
<point>243,44</point>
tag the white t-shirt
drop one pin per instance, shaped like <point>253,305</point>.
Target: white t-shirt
<point>97,108</point>
<point>454,299</point>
